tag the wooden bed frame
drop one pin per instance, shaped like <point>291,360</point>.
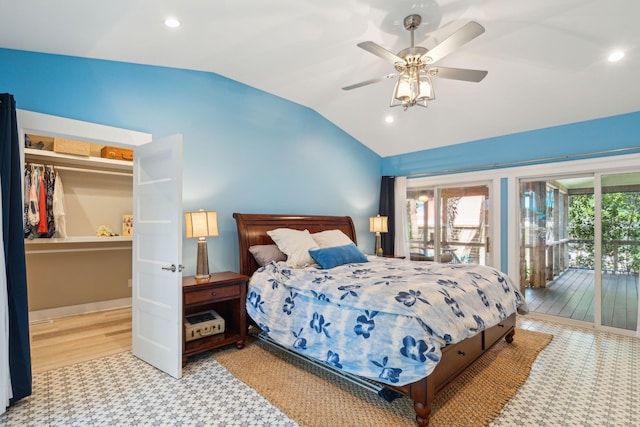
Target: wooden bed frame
<point>252,230</point>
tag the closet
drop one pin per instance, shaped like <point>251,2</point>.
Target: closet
<point>80,272</point>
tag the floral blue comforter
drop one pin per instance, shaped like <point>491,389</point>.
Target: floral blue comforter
<point>385,319</point>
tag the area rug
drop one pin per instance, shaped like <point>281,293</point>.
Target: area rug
<point>313,397</point>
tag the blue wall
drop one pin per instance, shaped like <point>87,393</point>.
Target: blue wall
<point>244,150</point>
<point>576,139</point>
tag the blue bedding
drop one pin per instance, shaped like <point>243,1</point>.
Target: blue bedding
<point>385,319</point>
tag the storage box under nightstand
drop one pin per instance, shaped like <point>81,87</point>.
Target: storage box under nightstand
<point>203,324</point>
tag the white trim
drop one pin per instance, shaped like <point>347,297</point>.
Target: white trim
<point>62,127</point>
<point>401,244</point>
<point>638,322</point>
<point>458,180</point>
<point>580,323</point>
<point>513,230</point>
<point>74,310</point>
<point>609,164</point>
<point>597,251</point>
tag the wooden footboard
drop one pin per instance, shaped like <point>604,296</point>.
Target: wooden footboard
<point>455,359</point>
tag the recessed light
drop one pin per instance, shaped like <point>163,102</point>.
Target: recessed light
<point>616,55</point>
<point>172,22</point>
<point>389,119</point>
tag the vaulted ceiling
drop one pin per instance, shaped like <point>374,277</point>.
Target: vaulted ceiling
<point>547,59</point>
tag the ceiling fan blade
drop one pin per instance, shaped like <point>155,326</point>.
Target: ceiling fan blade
<point>468,32</point>
<point>458,74</point>
<point>368,82</point>
<point>378,50</point>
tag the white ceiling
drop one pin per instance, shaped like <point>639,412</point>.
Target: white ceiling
<point>547,59</point>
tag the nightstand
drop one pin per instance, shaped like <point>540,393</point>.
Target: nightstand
<point>226,294</point>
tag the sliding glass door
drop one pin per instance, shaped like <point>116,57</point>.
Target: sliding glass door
<point>449,224</point>
<point>464,225</point>
<point>620,250</point>
<point>580,247</point>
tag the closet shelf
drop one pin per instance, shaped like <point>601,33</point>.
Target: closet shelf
<point>78,239</point>
<point>60,159</point>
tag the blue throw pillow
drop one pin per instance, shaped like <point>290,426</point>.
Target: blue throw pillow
<point>337,255</point>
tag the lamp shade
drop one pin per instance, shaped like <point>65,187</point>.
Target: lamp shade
<point>425,87</point>
<point>378,224</point>
<point>403,91</point>
<point>201,223</point>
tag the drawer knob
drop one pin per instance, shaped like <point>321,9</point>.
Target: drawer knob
<point>213,294</point>
<point>461,353</point>
<point>501,325</point>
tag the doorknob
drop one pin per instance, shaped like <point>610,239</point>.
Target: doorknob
<point>172,268</point>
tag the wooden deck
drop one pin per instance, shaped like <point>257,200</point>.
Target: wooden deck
<point>571,296</point>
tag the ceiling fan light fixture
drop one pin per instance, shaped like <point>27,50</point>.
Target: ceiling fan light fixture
<point>414,87</point>
<point>414,65</point>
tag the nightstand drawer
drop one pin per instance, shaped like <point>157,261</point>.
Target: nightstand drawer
<point>211,294</point>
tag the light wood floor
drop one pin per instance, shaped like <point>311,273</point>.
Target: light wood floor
<point>70,340</point>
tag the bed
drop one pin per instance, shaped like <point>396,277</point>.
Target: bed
<point>453,354</point>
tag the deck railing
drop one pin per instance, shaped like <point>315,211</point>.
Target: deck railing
<point>618,256</point>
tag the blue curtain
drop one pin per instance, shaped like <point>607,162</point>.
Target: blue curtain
<point>387,208</point>
<point>13,240</point>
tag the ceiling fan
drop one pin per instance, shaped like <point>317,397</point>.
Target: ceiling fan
<point>415,65</point>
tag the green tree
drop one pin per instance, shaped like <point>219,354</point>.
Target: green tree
<point>620,224</point>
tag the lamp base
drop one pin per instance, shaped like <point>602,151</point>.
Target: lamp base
<point>378,244</point>
<point>202,263</point>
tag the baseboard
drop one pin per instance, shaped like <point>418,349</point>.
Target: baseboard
<point>74,310</point>
<point>579,323</point>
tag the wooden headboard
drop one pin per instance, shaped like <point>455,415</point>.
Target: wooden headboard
<point>252,230</point>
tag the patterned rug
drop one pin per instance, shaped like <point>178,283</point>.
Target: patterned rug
<point>122,390</point>
<point>312,397</point>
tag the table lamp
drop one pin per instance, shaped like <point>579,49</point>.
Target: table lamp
<point>202,224</point>
<point>378,224</point>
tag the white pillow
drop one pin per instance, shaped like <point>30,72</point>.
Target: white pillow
<point>331,238</point>
<point>295,244</point>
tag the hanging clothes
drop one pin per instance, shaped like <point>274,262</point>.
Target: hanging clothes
<point>34,215</point>
<point>43,227</point>
<point>25,212</point>
<point>59,212</point>
<point>49,182</point>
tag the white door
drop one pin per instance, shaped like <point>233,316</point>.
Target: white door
<point>157,254</point>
